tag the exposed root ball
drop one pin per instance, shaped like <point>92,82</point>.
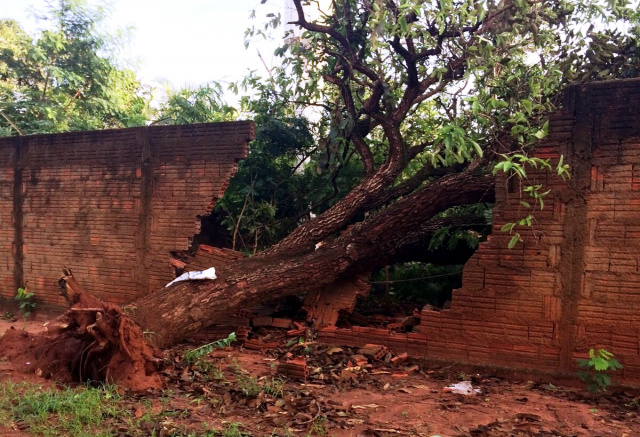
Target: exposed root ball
<point>93,341</point>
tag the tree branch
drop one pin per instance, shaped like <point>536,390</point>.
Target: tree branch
<point>11,123</point>
<point>341,39</point>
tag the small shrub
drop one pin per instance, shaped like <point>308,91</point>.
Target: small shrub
<point>27,301</point>
<point>597,368</point>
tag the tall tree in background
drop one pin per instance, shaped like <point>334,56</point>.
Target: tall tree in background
<point>66,78</point>
<point>203,104</point>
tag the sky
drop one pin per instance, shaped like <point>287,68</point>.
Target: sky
<point>184,42</point>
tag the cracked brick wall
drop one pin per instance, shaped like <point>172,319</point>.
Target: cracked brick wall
<point>574,282</point>
<point>110,204</point>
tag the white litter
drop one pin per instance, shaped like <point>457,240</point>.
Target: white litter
<point>195,276</point>
<point>463,388</point>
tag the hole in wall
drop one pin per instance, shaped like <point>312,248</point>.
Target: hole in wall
<point>428,273</point>
<point>212,231</point>
<point>404,286</point>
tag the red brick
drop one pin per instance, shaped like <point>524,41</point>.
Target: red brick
<point>83,200</point>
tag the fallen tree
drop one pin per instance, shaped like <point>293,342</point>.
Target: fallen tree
<point>426,97</point>
<point>185,307</point>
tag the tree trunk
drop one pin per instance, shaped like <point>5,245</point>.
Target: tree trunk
<point>184,308</point>
<point>98,341</point>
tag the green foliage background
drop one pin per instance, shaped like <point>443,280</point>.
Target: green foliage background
<point>66,78</point>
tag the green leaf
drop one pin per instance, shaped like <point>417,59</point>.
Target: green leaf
<point>540,134</point>
<point>514,240</point>
<point>545,127</point>
<point>403,24</point>
<point>507,227</point>
<point>600,364</point>
<point>526,221</point>
<point>477,148</point>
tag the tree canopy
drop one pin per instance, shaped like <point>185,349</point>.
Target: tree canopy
<point>414,90</point>
<point>65,79</point>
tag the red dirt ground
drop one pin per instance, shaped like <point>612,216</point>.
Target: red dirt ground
<point>351,403</point>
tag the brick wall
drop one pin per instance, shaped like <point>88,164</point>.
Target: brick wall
<point>7,229</point>
<point>110,204</point>
<point>574,283</point>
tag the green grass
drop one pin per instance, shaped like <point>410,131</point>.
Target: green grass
<point>50,412</point>
<point>87,412</point>
<point>251,386</point>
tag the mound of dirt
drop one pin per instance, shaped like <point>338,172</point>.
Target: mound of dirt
<point>93,341</point>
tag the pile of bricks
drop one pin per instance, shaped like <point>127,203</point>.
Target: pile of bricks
<point>412,342</point>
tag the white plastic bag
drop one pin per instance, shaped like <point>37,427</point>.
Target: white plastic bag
<point>462,388</point>
<point>193,276</point>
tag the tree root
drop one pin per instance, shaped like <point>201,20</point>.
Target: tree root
<point>93,341</point>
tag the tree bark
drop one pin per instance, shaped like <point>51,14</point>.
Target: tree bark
<point>98,341</point>
<point>175,312</point>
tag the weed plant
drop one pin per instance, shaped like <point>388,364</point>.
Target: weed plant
<point>597,371</point>
<point>26,301</point>
<point>251,386</point>
<point>192,356</point>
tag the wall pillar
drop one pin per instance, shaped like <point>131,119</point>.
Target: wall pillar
<point>18,219</point>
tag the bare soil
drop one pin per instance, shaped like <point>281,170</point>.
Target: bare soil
<point>344,400</point>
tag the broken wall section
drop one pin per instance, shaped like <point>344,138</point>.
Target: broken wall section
<point>574,283</point>
<point>109,204</point>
